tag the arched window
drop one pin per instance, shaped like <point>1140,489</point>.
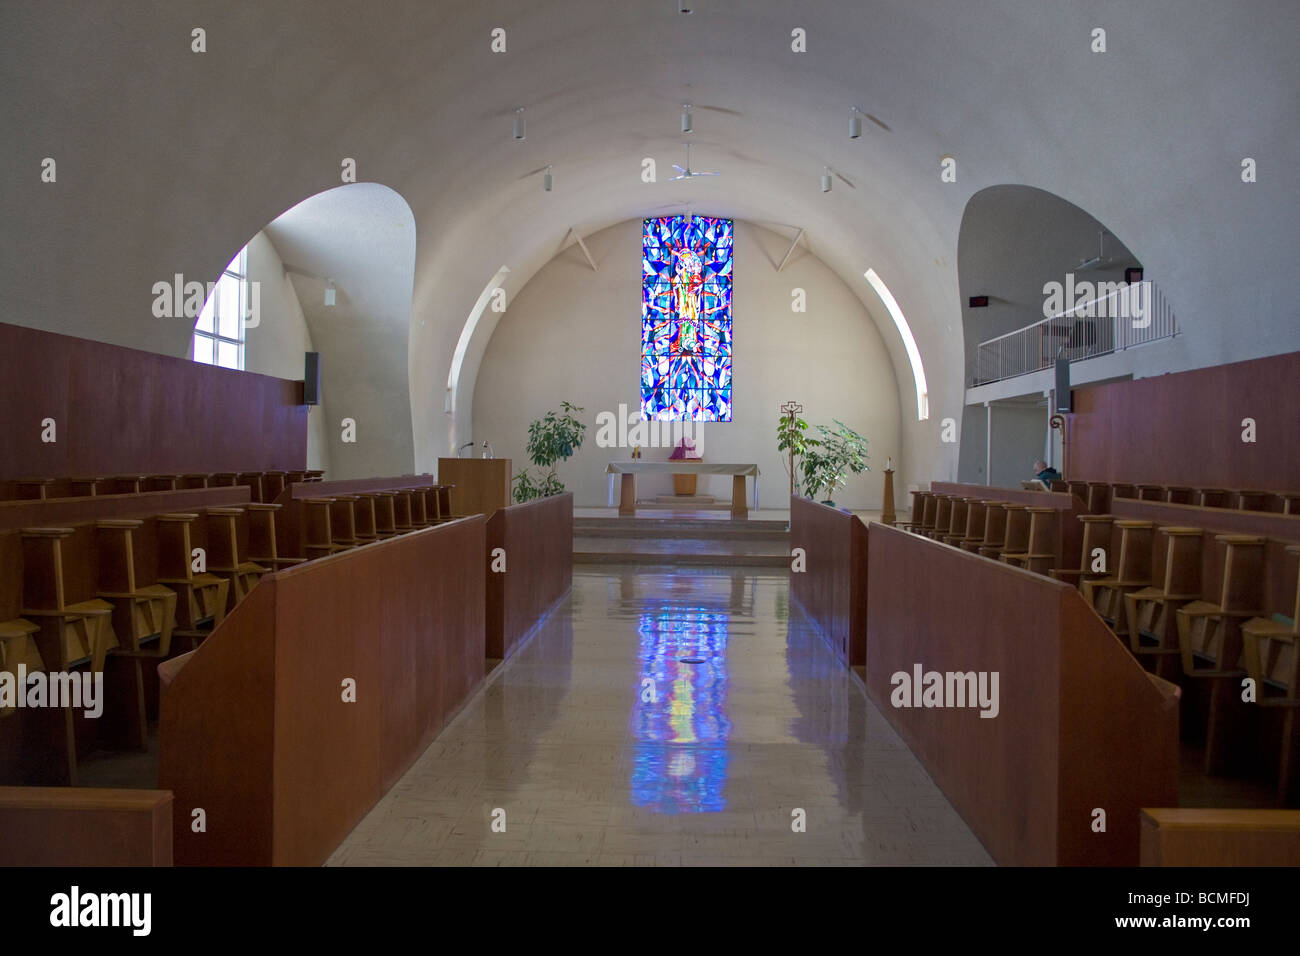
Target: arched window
<point>219,332</point>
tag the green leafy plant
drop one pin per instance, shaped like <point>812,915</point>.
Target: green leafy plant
<point>791,435</point>
<point>553,438</point>
<point>828,461</point>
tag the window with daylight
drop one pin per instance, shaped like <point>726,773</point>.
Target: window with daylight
<point>219,333</point>
<point>686,319</point>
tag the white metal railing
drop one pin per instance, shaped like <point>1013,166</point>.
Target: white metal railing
<point>1124,316</point>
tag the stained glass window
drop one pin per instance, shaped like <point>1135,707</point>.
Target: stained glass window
<point>686,319</point>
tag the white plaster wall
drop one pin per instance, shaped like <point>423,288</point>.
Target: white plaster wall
<point>276,345</point>
<point>574,334</point>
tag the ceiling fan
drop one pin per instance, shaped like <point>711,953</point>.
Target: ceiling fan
<point>688,173</point>
<point>1100,260</point>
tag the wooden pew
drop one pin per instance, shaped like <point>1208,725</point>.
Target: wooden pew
<point>85,827</point>
<point>1085,727</point>
<point>535,542</point>
<point>1186,836</point>
<point>832,590</point>
<point>287,773</point>
<point>1067,533</point>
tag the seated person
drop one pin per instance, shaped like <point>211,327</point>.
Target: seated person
<point>1046,474</point>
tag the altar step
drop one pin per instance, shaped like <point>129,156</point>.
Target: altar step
<point>700,541</point>
<point>684,501</point>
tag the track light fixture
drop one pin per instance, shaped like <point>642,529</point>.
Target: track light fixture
<point>519,123</point>
<point>826,179</point>
<point>687,125</point>
<point>855,123</point>
<point>546,180</point>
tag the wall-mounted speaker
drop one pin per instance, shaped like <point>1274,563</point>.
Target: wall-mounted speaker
<point>1133,274</point>
<point>1064,400</point>
<point>311,379</point>
<point>979,302</point>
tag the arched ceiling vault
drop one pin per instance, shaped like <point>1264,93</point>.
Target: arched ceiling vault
<point>1147,137</point>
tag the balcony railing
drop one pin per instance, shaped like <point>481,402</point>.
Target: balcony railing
<point>1129,315</point>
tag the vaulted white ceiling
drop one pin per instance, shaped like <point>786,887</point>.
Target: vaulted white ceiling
<point>170,159</point>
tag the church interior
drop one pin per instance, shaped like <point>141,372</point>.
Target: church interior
<point>649,434</point>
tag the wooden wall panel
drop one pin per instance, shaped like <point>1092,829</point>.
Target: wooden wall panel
<point>121,411</point>
<point>403,618</point>
<point>833,589</point>
<point>537,538</point>
<point>77,826</point>
<point>1073,704</point>
<point>1185,428</point>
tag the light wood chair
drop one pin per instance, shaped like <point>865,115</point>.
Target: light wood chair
<point>976,510</point>
<point>1096,536</point>
<point>1132,572</point>
<point>72,632</point>
<point>224,557</point>
<point>1209,639</point>
<point>144,615</point>
<point>201,596</point>
<point>1271,654</point>
<point>956,522</point>
<point>1150,612</point>
<point>1212,497</point>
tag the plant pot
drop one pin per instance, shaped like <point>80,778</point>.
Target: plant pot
<point>684,484</point>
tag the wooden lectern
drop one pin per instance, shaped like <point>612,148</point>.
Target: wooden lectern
<point>480,485</point>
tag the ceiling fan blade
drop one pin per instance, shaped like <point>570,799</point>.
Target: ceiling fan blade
<point>710,173</point>
<point>679,169</point>
<point>718,109</point>
<point>845,180</point>
<point>539,169</point>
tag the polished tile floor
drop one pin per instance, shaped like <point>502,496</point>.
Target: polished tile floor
<point>667,717</point>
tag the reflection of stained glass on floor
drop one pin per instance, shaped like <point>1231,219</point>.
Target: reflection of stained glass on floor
<point>680,762</point>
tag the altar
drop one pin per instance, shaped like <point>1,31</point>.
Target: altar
<point>630,469</point>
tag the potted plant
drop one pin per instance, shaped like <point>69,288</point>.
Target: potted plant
<point>685,451</point>
<point>553,438</point>
<point>828,461</point>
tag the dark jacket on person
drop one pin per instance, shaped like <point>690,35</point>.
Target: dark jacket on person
<point>1048,475</point>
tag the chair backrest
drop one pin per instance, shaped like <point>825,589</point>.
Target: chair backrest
<point>1017,529</point>
<point>1135,550</point>
<point>1243,572</point>
<point>1182,560</point>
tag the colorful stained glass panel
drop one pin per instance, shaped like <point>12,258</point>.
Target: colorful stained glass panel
<point>686,319</point>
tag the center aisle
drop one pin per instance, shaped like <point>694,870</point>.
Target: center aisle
<point>598,744</point>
